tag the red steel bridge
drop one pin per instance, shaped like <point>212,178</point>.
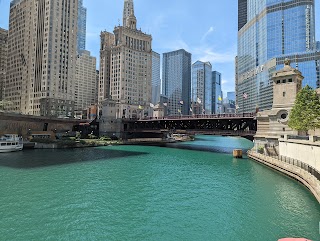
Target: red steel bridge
<point>244,125</point>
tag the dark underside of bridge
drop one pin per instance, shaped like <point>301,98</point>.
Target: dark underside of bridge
<point>245,127</point>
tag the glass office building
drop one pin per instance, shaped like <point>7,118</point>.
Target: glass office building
<point>217,92</point>
<point>156,81</point>
<point>269,32</point>
<point>82,28</point>
<point>176,81</point>
<point>201,88</point>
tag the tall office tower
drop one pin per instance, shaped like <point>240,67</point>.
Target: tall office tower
<point>318,45</point>
<point>126,67</point>
<point>156,81</point>
<point>82,26</point>
<point>269,32</point>
<point>217,92</point>
<point>42,47</point>
<point>201,88</point>
<point>107,41</point>
<point>242,13</point>
<point>85,81</point>
<point>3,58</point>
<point>231,96</point>
<point>176,81</point>
<point>236,82</point>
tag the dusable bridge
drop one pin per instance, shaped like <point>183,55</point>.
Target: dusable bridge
<point>244,125</point>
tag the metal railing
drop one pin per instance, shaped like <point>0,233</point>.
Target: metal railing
<point>303,138</point>
<point>216,116</point>
<point>304,166</point>
<point>301,165</point>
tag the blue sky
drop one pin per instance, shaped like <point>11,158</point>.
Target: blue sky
<point>207,28</point>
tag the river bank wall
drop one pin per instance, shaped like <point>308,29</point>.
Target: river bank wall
<point>300,171</point>
<point>305,149</point>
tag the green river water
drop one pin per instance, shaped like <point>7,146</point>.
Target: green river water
<point>190,191</point>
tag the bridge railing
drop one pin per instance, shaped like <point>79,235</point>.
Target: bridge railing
<point>223,132</point>
<point>216,116</point>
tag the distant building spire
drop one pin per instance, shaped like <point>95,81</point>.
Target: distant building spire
<point>127,11</point>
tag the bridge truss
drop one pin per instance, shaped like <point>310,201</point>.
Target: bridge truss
<point>228,124</point>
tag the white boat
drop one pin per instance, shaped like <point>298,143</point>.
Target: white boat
<point>10,143</point>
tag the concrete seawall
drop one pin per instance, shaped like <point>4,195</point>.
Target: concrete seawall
<point>297,173</point>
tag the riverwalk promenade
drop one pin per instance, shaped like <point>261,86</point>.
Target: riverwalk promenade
<point>303,168</point>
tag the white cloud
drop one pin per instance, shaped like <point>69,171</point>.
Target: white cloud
<point>209,54</point>
<point>224,81</point>
<point>172,45</point>
<point>211,29</point>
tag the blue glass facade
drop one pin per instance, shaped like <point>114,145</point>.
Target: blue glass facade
<point>156,81</point>
<point>176,81</point>
<point>201,88</point>
<point>217,92</point>
<point>274,29</point>
<point>82,28</point>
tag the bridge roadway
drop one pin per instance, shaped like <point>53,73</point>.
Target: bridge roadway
<point>244,125</point>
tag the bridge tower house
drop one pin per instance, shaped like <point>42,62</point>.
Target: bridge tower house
<point>273,124</point>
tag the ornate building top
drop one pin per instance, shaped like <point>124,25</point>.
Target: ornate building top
<point>128,11</point>
<point>287,69</point>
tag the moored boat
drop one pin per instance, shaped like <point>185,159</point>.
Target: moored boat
<point>10,143</point>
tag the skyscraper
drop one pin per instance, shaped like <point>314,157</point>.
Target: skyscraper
<point>229,103</point>
<point>3,58</point>
<point>86,92</point>
<point>82,28</point>
<point>156,81</point>
<point>217,92</point>
<point>176,81</point>
<point>106,44</point>
<point>202,88</point>
<point>126,67</point>
<point>269,32</point>
<point>42,46</point>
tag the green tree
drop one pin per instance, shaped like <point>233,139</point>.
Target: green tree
<point>305,114</point>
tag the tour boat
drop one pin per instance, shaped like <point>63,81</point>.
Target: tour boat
<point>10,143</point>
